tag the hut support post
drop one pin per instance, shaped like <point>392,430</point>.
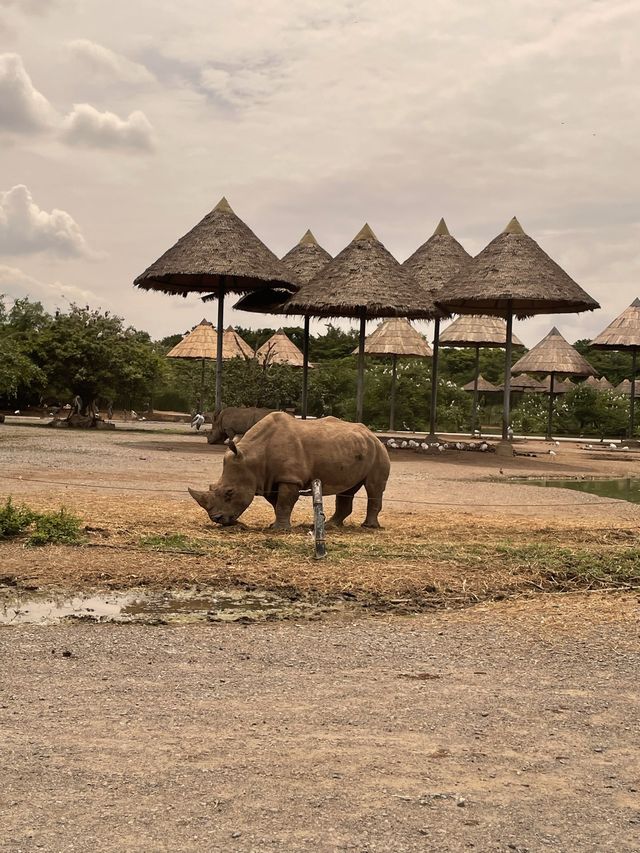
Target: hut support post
<point>550,414</point>
<point>305,368</point>
<point>201,404</point>
<point>632,398</point>
<point>476,374</point>
<point>506,409</point>
<point>392,410</point>
<point>360,385</point>
<point>219,343</point>
<point>434,377</point>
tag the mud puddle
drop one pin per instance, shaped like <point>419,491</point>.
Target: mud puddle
<point>140,605</point>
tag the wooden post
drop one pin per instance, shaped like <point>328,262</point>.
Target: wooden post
<point>434,377</point>
<point>632,399</point>
<point>201,406</point>
<point>506,408</point>
<point>219,342</point>
<point>392,411</point>
<point>550,414</point>
<point>305,367</point>
<point>318,520</point>
<point>474,413</point>
<point>360,385</point>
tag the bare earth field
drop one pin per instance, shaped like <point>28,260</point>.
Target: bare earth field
<point>476,689</point>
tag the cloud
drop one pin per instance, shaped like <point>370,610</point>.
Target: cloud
<point>22,108</point>
<point>105,62</point>
<point>27,229</point>
<point>16,284</point>
<point>88,126</point>
<point>31,6</point>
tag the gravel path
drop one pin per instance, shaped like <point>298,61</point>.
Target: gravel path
<point>510,727</point>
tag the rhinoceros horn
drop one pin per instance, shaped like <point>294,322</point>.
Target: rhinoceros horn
<point>203,498</point>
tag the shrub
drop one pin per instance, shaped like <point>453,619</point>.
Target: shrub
<point>56,528</point>
<point>14,519</point>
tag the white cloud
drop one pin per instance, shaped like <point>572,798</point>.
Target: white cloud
<point>25,228</point>
<point>22,107</point>
<point>16,284</point>
<point>88,126</point>
<point>105,62</point>
<point>27,6</point>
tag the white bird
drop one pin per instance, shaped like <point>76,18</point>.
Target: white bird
<point>197,421</point>
<point>552,453</point>
<point>557,443</point>
<point>612,446</point>
<point>589,446</point>
<point>441,448</point>
<point>484,447</point>
<point>424,446</point>
<point>413,443</point>
<point>459,445</point>
<point>403,445</point>
<point>625,448</point>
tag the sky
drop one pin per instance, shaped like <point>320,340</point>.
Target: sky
<point>123,123</point>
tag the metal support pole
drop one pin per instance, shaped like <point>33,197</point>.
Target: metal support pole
<point>506,408</point>
<point>305,368</point>
<point>476,374</point>
<point>201,406</point>
<point>632,398</point>
<point>550,415</point>
<point>434,376</point>
<point>360,385</point>
<point>318,520</point>
<point>219,342</point>
<point>392,410</point>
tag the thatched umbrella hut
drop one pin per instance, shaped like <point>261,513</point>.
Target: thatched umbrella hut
<point>477,332</point>
<point>363,281</point>
<point>624,388</point>
<point>305,260</point>
<point>219,255</point>
<point>623,333</point>
<point>513,276</point>
<point>279,349</point>
<point>527,384</point>
<point>604,383</point>
<point>396,337</point>
<point>560,386</point>
<point>482,385</point>
<point>554,354</point>
<point>234,346</point>
<point>433,265</point>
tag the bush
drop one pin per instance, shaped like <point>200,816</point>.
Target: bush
<point>14,519</point>
<point>56,528</point>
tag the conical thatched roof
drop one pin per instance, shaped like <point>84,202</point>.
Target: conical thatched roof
<point>435,263</point>
<point>279,349</point>
<point>525,383</point>
<point>233,346</point>
<point>396,336</point>
<point>476,330</point>
<point>592,382</point>
<point>484,386</point>
<point>514,271</point>
<point>364,280</point>
<point>604,383</point>
<point>200,342</point>
<point>220,251</point>
<point>625,388</point>
<point>553,354</point>
<point>560,386</point>
<point>623,332</point>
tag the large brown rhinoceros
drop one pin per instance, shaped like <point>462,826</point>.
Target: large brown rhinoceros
<point>280,455</point>
<point>234,420</point>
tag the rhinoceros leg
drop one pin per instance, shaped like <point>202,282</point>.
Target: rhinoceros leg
<point>288,494</point>
<point>375,491</point>
<point>344,506</point>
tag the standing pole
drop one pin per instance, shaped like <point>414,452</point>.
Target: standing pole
<point>360,385</point>
<point>201,406</point>
<point>632,398</point>
<point>506,408</point>
<point>476,374</point>
<point>305,367</point>
<point>219,349</point>
<point>320,548</point>
<point>550,415</point>
<point>392,411</point>
<point>434,377</point>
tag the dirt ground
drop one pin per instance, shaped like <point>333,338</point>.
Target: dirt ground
<point>511,725</point>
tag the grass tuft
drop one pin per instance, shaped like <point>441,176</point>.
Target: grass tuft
<point>14,520</point>
<point>56,528</point>
<point>172,542</point>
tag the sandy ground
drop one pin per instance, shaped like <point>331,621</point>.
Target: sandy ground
<point>508,726</point>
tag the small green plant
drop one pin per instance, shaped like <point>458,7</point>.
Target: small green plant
<point>172,542</point>
<point>14,519</point>
<point>56,528</point>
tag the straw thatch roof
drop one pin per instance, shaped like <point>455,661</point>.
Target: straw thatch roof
<point>623,332</point>
<point>560,386</point>
<point>484,386</point>
<point>625,388</point>
<point>396,336</point>
<point>525,383</point>
<point>592,382</point>
<point>364,280</point>
<point>233,346</point>
<point>434,263</point>
<point>554,354</point>
<point>605,385</point>
<point>514,271</point>
<point>200,342</point>
<point>279,349</point>
<point>477,331</point>
<point>220,251</point>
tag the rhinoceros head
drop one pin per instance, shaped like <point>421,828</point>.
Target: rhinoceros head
<point>226,500</point>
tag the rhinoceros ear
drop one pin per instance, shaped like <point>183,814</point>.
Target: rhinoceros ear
<point>203,498</point>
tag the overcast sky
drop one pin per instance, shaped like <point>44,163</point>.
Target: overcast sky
<point>122,124</point>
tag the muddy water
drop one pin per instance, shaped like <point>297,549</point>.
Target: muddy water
<point>624,489</point>
<point>19,608</point>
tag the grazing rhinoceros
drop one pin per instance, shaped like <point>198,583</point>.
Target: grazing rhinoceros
<point>280,455</point>
<point>232,421</point>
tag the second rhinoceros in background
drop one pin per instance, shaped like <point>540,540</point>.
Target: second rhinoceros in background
<point>234,420</point>
<point>280,455</point>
